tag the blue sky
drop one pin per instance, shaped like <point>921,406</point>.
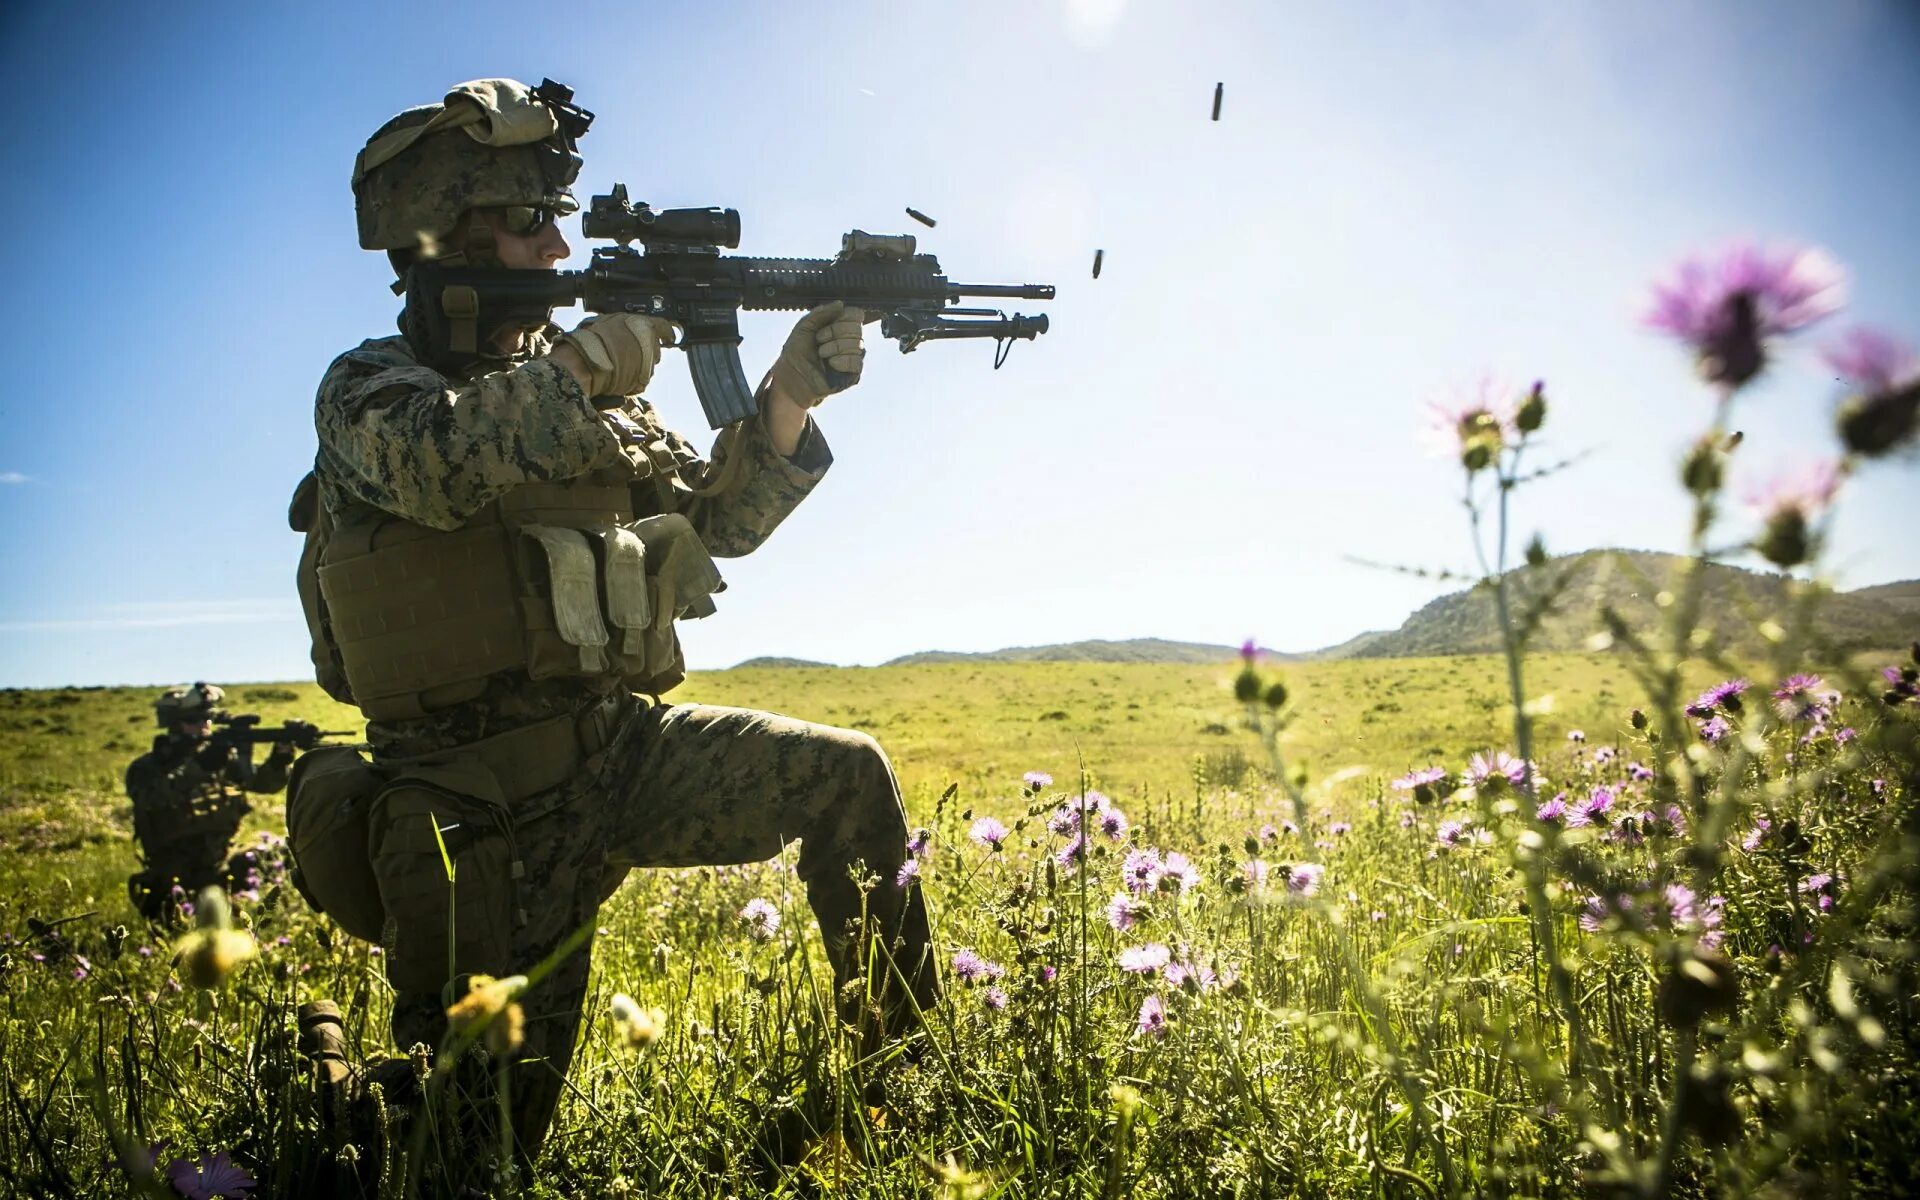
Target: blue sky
<point>1397,197</point>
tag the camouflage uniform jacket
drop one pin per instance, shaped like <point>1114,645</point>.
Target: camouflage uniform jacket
<point>188,802</point>
<point>401,437</point>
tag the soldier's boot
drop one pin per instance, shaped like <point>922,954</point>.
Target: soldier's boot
<point>323,1043</point>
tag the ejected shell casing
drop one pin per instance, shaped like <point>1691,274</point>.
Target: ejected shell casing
<point>1219,91</point>
<point>921,217</point>
<point>1097,256</point>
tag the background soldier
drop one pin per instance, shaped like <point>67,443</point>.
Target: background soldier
<point>188,796</point>
<point>500,545</point>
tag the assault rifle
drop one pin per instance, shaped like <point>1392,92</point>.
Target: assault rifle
<point>246,730</point>
<point>680,274</point>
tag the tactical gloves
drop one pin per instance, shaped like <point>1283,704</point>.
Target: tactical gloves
<point>822,355</point>
<point>620,351</point>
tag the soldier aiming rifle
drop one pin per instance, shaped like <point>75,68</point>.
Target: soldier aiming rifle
<point>501,533</point>
<point>189,792</point>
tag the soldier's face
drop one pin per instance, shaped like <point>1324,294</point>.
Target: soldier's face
<point>537,251</point>
<point>197,730</point>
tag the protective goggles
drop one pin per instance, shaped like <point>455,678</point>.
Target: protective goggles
<point>526,220</point>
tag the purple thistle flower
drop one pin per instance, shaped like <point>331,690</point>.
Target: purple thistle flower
<point>1474,421</point>
<point>1727,307</point>
<point>1303,879</point>
<point>918,843</point>
<point>1681,911</point>
<point>1074,853</point>
<point>1339,828</point>
<point>1269,834</point>
<point>1844,734</point>
<point>1804,490</point>
<point>970,968</point>
<point>1756,835</point>
<point>1797,698</point>
<point>1594,912</point>
<point>1553,811</point>
<point>1592,809</point>
<point>1604,755</point>
<point>762,919</point>
<point>1639,772</point>
<point>1289,828</point>
<point>1450,833</point>
<point>1064,821</point>
<point>1419,777</point>
<point>1111,822</point>
<point>1177,874</point>
<point>908,872</point>
<point>1190,977</point>
<point>210,1176</point>
<point>1716,697</point>
<point>988,832</point>
<point>1124,910</point>
<point>1145,960</point>
<point>1035,780</point>
<point>1627,830</point>
<point>1141,870</point>
<point>1823,887</point>
<point>1496,767</point>
<point>1872,362</point>
<point>1048,973</point>
<point>1577,736</point>
<point>994,998</point>
<point>1153,1018</point>
<point>1714,730</point>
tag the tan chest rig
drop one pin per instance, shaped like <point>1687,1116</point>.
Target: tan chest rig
<point>558,580</point>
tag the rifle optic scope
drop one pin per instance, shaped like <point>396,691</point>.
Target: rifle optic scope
<point>610,216</point>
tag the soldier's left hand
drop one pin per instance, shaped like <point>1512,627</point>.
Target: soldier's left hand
<point>822,355</point>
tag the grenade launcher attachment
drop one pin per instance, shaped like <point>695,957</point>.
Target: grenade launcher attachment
<point>679,273</point>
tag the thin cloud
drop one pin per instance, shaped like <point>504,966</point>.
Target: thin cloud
<point>14,477</point>
<point>164,614</point>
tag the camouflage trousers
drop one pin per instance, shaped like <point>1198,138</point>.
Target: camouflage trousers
<point>701,785</point>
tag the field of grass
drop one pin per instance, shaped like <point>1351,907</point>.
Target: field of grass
<point>1381,1023</point>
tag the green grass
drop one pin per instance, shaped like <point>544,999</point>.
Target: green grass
<point>1383,1037</point>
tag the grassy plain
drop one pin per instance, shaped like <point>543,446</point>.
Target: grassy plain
<point>1291,1070</point>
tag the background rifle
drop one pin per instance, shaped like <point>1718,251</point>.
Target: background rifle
<point>680,274</point>
<point>246,730</point>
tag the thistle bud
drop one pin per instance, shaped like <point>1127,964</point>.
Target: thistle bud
<point>1532,412</point>
<point>1276,695</point>
<point>1246,685</point>
<point>1699,982</point>
<point>1874,425</point>
<point>1786,541</point>
<point>1637,719</point>
<point>1706,1105</point>
<point>1536,552</point>
<point>1703,470</point>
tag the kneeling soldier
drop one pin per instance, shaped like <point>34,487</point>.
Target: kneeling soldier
<point>498,544</point>
<point>188,796</point>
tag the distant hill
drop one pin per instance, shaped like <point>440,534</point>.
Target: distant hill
<point>1463,622</point>
<point>1135,650</point>
<point>1736,599</point>
<point>774,660</point>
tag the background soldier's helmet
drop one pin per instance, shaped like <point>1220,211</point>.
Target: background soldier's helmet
<point>195,703</point>
<point>492,143</point>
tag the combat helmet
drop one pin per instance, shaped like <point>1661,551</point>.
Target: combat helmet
<point>491,143</point>
<point>187,703</point>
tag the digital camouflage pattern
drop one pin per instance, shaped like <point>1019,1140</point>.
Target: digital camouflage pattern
<point>676,785</point>
<point>188,802</point>
<point>425,190</point>
<point>398,436</point>
<point>688,785</point>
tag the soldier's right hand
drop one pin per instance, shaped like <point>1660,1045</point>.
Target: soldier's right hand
<point>615,353</point>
